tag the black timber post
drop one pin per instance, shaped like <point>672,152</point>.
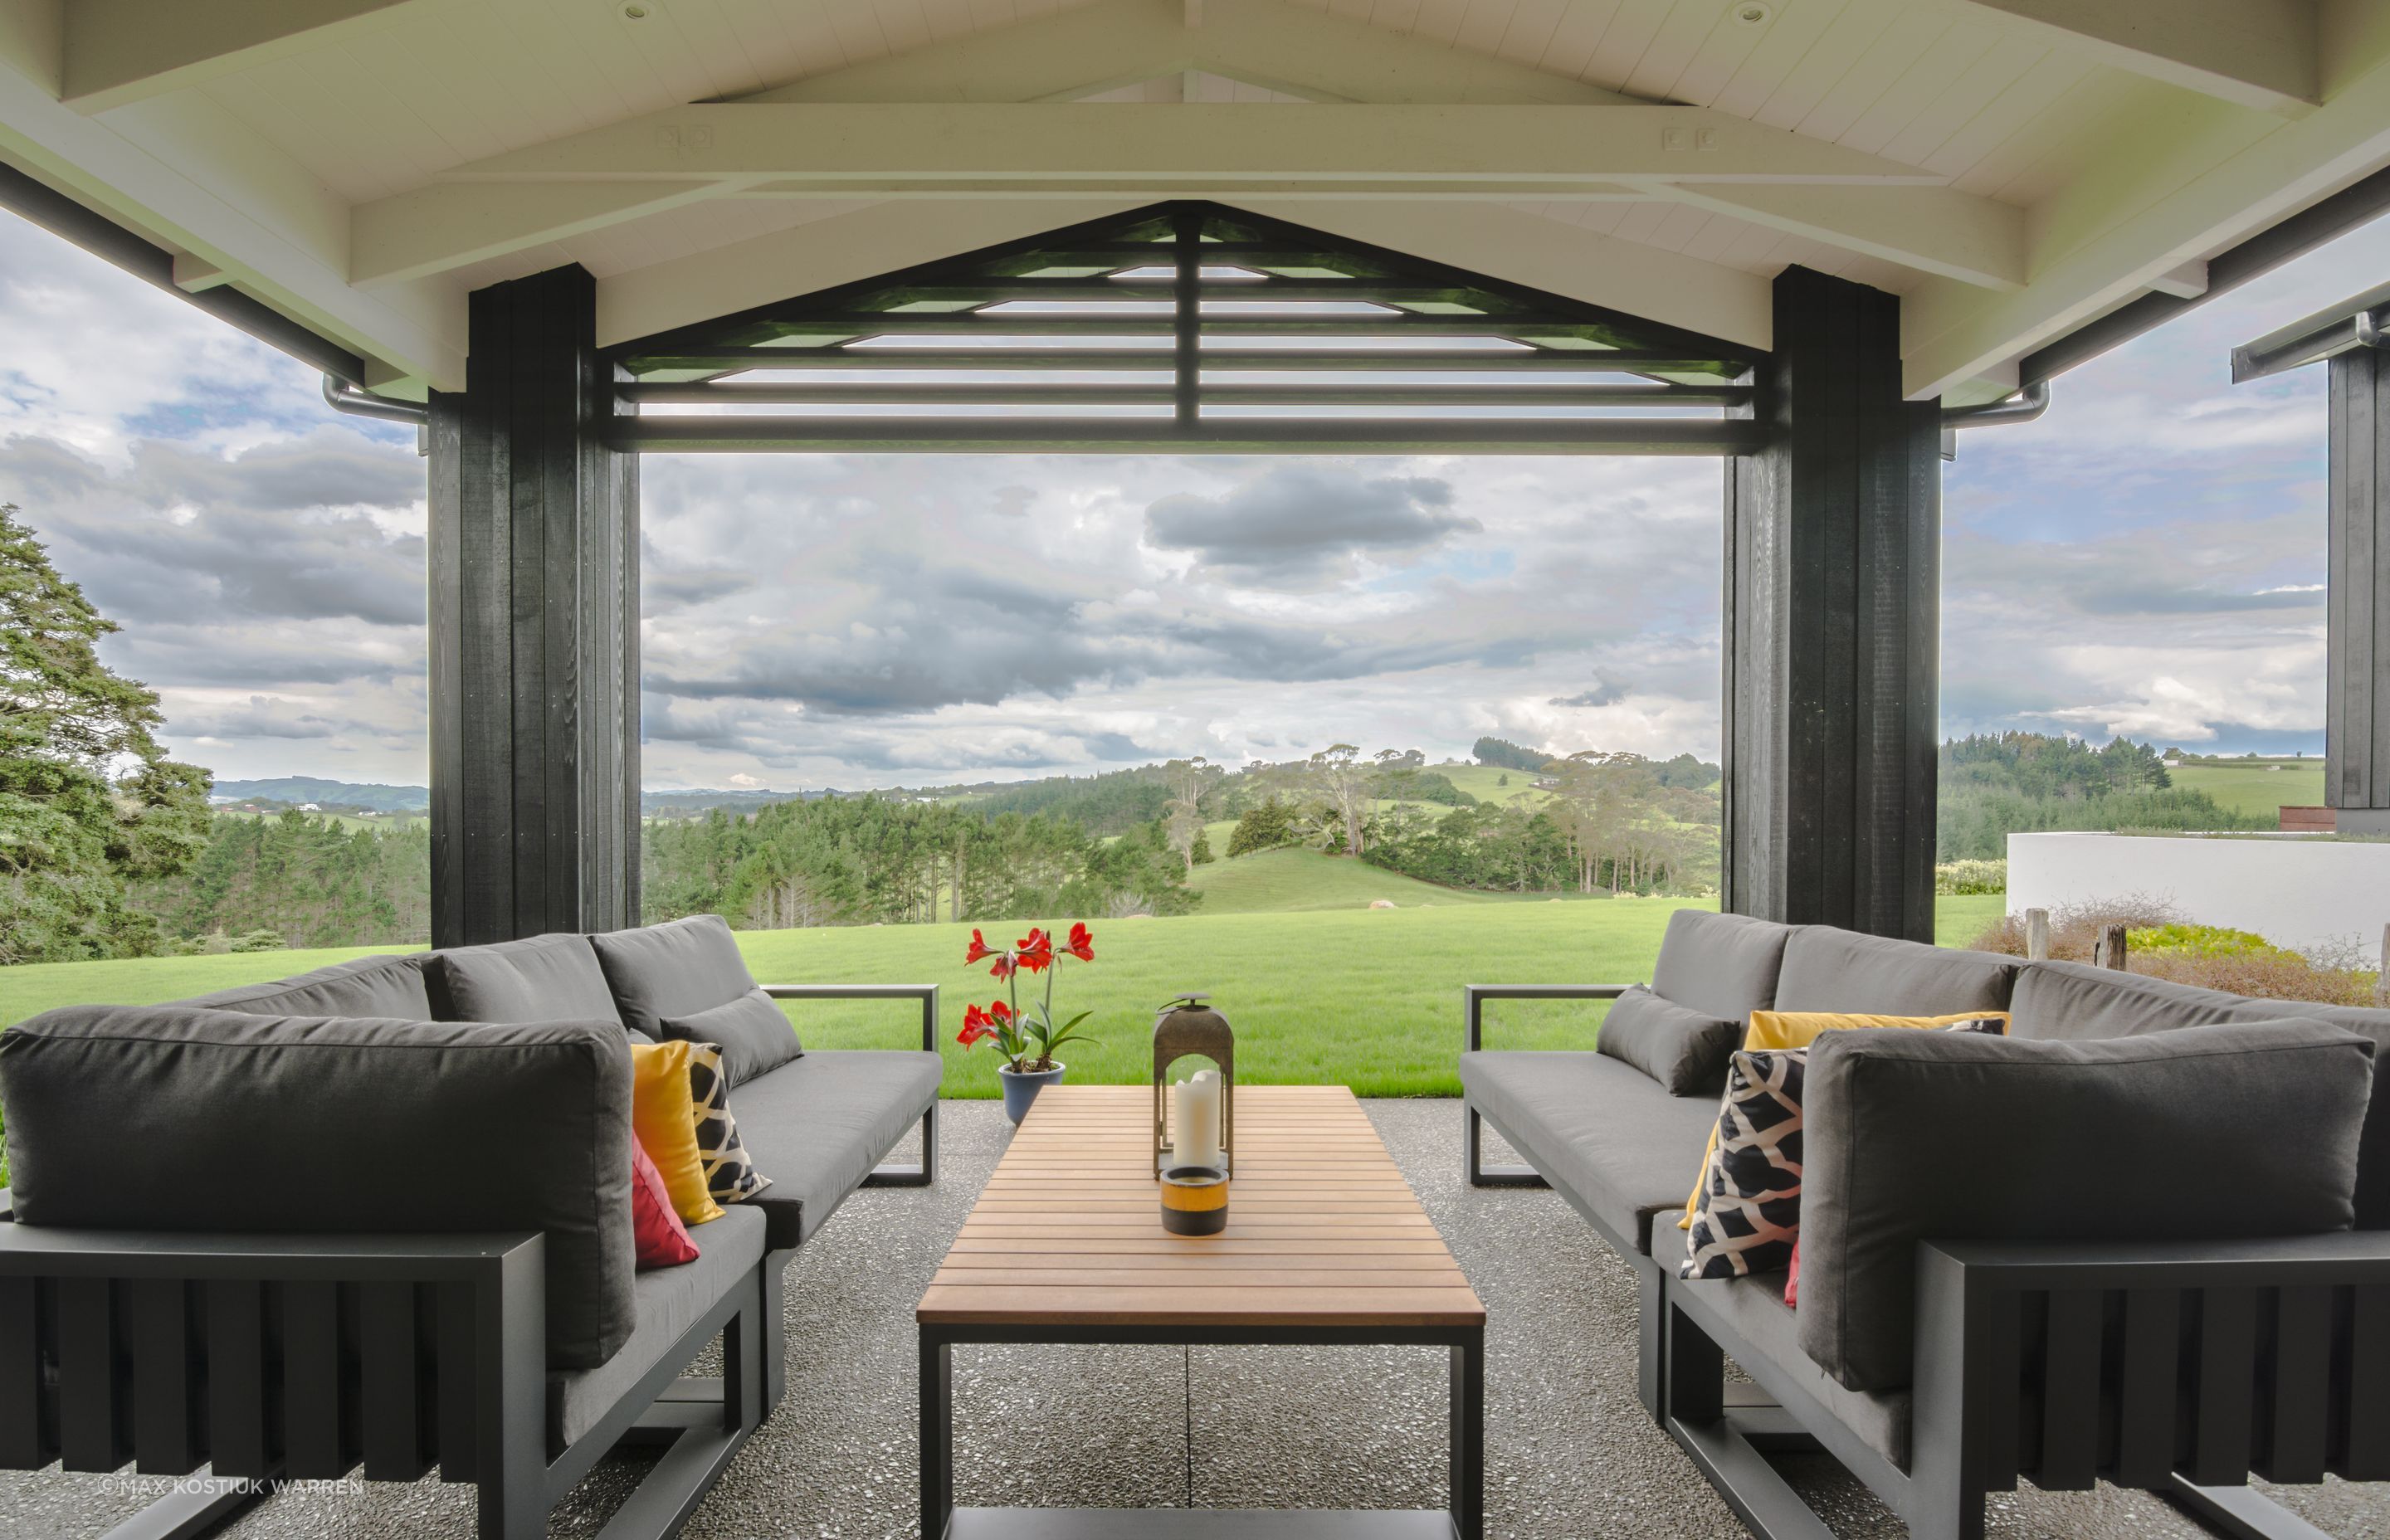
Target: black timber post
<point>535,628</point>
<point>1832,627</point>
<point>2356,626</point>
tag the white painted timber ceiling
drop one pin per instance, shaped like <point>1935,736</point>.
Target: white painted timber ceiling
<point>2012,168</point>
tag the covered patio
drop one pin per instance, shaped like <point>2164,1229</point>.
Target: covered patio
<point>1818,242</point>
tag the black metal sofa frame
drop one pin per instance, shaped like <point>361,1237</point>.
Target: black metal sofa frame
<point>274,1358</point>
<point>2179,1368</point>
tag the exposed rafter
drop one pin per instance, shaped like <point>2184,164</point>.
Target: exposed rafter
<point>113,52</point>
<point>183,174</point>
<point>2256,53</point>
<point>2102,240</point>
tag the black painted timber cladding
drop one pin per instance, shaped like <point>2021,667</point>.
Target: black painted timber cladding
<point>535,628</point>
<point>2356,648</point>
<point>1832,629</point>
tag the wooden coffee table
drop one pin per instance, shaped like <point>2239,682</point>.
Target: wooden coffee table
<point>1325,1245</point>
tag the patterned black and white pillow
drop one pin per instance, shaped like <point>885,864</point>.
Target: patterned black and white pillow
<point>1750,1213</point>
<point>730,1176</point>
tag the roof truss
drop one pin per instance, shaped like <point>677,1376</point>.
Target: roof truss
<point>1414,121</point>
<point>1192,327</point>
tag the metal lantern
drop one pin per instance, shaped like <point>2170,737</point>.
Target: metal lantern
<point>1189,1026</point>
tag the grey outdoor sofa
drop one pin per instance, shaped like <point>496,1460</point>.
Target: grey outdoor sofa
<point>2180,1364</point>
<point>303,1228</point>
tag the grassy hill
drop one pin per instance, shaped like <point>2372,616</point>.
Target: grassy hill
<point>1299,880</point>
<point>2256,786</point>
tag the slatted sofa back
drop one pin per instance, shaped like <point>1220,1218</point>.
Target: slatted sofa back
<point>271,1355</point>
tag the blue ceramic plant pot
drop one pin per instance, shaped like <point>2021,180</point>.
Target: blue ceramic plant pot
<point>1020,1090</point>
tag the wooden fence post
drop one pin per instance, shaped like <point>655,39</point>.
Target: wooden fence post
<point>2110,952</point>
<point>2036,935</point>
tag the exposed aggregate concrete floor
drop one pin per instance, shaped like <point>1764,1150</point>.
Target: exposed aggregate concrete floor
<point>1570,1454</point>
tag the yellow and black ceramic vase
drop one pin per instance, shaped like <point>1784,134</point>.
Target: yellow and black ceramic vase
<point>1194,1201</point>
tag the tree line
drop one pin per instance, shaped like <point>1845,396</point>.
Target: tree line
<point>868,859</point>
<point>1998,784</point>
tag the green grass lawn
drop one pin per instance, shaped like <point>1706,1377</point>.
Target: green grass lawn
<point>1368,998</point>
<point>2257,786</point>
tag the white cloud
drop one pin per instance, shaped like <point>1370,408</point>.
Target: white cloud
<point>2148,558</point>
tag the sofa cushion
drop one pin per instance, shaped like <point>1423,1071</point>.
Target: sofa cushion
<point>730,1174</point>
<point>2076,1001</point>
<point>552,978</point>
<point>1599,1128</point>
<point>754,1035</point>
<point>666,1303</point>
<point>174,1118</point>
<point>1747,1213</point>
<point>819,1124</point>
<point>1682,1050</point>
<point>392,987</point>
<point>1770,1352</point>
<point>1954,1136</point>
<point>1719,965</point>
<point>1845,970</point>
<point>677,969</point>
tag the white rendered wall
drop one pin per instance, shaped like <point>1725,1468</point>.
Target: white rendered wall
<point>2299,894</point>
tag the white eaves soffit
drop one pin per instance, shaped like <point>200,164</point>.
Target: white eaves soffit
<point>2012,168</point>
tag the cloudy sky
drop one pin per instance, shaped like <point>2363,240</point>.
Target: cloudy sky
<point>2147,559</point>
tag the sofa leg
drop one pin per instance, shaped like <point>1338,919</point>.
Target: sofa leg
<point>2242,1513</point>
<point>919,1175</point>
<point>773,1348</point>
<point>192,1512</point>
<point>1652,1311</point>
<point>1479,1175</point>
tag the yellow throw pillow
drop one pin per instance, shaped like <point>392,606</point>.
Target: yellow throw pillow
<point>1798,1028</point>
<point>664,1116</point>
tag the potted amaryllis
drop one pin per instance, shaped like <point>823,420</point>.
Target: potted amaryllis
<point>1027,1037</point>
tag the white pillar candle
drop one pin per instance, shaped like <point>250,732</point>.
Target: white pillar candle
<point>1195,1118</point>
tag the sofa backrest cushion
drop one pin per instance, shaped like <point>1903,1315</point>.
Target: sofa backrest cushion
<point>679,968</point>
<point>551,978</point>
<point>2181,1135</point>
<point>1828,970</point>
<point>2076,1002</point>
<point>174,1118</point>
<point>1683,1050</point>
<point>392,986</point>
<point>1719,965</point>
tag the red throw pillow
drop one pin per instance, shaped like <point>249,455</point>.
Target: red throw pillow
<point>658,1235</point>
<point>1792,1278</point>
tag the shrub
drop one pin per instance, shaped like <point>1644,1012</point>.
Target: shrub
<point>1952,878</point>
<point>2160,943</point>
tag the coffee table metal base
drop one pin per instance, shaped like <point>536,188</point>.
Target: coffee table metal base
<point>940,1519</point>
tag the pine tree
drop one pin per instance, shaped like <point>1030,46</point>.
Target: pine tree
<point>88,801</point>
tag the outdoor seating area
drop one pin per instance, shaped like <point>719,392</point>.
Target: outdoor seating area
<point>390,1309</point>
<point>563,1228</point>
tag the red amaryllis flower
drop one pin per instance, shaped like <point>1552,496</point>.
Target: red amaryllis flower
<point>976,1025</point>
<point>1002,966</point>
<point>1036,951</point>
<point>1082,943</point>
<point>979,948</point>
